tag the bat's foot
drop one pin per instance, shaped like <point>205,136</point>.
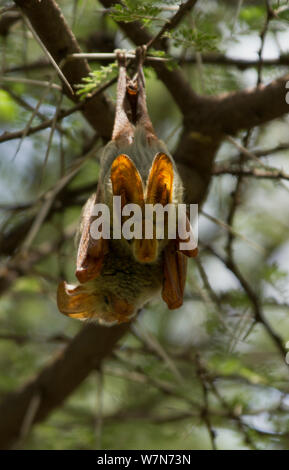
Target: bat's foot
<point>121,57</point>
<point>141,54</point>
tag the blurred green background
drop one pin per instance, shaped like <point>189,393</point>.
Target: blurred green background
<point>208,355</point>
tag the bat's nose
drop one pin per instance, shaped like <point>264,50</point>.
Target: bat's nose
<point>122,310</point>
<point>146,250</point>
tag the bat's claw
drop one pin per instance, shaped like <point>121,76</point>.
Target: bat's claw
<point>141,54</point>
<point>121,57</point>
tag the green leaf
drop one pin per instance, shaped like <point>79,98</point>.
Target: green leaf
<point>8,108</point>
<point>130,11</point>
<point>187,37</point>
<point>96,79</point>
<point>251,14</point>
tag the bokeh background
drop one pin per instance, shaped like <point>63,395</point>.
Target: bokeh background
<point>207,375</point>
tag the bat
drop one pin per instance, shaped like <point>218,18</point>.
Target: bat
<point>118,276</point>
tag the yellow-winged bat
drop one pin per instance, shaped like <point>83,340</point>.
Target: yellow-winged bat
<point>118,276</point>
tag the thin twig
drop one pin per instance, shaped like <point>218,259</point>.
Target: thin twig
<point>29,417</point>
<point>251,155</point>
<point>30,81</point>
<point>173,22</point>
<point>49,198</point>
<point>201,373</point>
<point>153,344</point>
<point>24,104</point>
<point>99,405</point>
<point>5,136</point>
<point>8,8</point>
<point>231,230</point>
<point>53,126</point>
<point>34,113</point>
<point>263,34</point>
<point>250,172</point>
<point>257,309</point>
<point>111,55</point>
<point>47,53</point>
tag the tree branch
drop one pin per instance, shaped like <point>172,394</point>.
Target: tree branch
<point>220,170</point>
<point>7,20</point>
<point>60,42</point>
<point>174,80</point>
<point>240,63</point>
<point>174,21</point>
<point>251,107</point>
<point>207,120</point>
<point>59,379</point>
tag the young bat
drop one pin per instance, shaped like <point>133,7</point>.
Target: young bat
<point>118,276</point>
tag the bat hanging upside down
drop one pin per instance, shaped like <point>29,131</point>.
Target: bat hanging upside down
<point>118,276</point>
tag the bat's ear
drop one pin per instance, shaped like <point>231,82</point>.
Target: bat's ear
<point>175,271</point>
<point>74,302</point>
<point>91,252</point>
<point>160,180</point>
<point>126,180</point>
<point>159,190</point>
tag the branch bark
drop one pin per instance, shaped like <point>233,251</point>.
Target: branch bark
<point>60,42</point>
<point>251,107</point>
<point>206,121</point>
<point>59,379</point>
<point>174,80</point>
<point>7,20</point>
<point>239,63</point>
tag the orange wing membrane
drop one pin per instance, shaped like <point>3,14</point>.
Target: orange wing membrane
<point>91,252</point>
<point>126,181</point>
<point>160,180</point>
<point>175,271</point>
<point>74,302</point>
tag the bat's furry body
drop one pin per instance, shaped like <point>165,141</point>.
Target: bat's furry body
<point>117,277</point>
<point>122,288</point>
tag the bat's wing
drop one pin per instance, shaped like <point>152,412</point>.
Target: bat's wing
<point>78,302</point>
<point>91,252</point>
<point>74,302</point>
<point>175,271</point>
<point>160,190</point>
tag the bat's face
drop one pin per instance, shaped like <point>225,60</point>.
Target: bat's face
<point>87,303</point>
<point>115,295</point>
